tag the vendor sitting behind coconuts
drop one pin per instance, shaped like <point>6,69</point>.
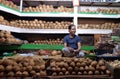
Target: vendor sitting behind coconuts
<point>72,43</point>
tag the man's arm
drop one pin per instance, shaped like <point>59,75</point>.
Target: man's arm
<point>79,47</point>
<point>65,44</point>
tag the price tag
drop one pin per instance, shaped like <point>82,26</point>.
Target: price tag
<point>76,2</point>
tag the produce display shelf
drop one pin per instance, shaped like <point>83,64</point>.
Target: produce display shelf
<point>47,14</point>
<point>38,46</point>
<point>9,7</point>
<point>99,15</point>
<point>88,13</point>
<point>9,10</point>
<point>101,3</point>
<point>57,14</point>
<point>45,31</point>
<point>94,31</point>
<point>81,77</point>
<point>47,0</point>
<point>66,77</point>
<point>37,14</point>
<point>22,30</point>
<point>96,13</point>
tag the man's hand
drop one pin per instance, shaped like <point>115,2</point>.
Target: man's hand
<point>71,49</point>
<point>76,51</point>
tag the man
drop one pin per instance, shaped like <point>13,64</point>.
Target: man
<point>72,43</point>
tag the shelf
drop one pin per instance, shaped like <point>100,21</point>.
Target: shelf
<point>9,28</point>
<point>9,10</point>
<point>38,46</point>
<point>94,31</point>
<point>82,77</point>
<point>109,4</point>
<point>47,14</point>
<point>47,0</point>
<point>35,14</point>
<point>21,30</point>
<point>79,0</point>
<point>99,15</point>
<point>56,14</point>
<point>54,31</point>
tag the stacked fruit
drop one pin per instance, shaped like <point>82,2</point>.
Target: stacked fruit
<point>22,67</point>
<point>40,24</point>
<point>3,21</point>
<point>7,38</point>
<point>36,24</point>
<point>47,8</point>
<point>101,10</point>
<point>49,41</point>
<point>42,52</point>
<point>115,63</point>
<point>9,4</point>
<point>108,11</point>
<point>75,66</point>
<point>99,26</point>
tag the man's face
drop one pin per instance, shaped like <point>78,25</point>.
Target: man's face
<point>72,30</point>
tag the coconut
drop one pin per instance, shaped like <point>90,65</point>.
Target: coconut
<point>37,74</point>
<point>54,74</point>
<point>103,68</point>
<point>18,74</point>
<point>2,74</point>
<point>63,69</point>
<point>66,65</point>
<point>76,68</point>
<point>53,69</point>
<point>67,73</point>
<point>79,73</point>
<point>9,68</point>
<point>108,72</point>
<point>2,68</point>
<point>70,68</point>
<point>29,68</point>
<point>90,73</point>
<point>97,72</point>
<point>94,63</point>
<point>42,67</point>
<point>101,62</point>
<point>25,74</point>
<point>32,72</point>
<point>54,53</point>
<point>72,64</point>
<point>10,74</point>
<point>73,73</point>
<point>78,64</point>
<point>16,68</point>
<point>43,73</point>
<point>60,73</point>
<point>85,72</point>
<point>81,68</point>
